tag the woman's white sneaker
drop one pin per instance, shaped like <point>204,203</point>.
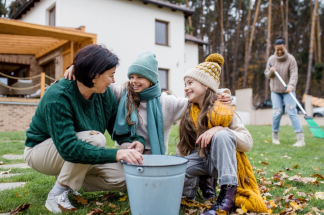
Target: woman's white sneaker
<point>52,203</point>
<point>275,138</point>
<point>300,140</point>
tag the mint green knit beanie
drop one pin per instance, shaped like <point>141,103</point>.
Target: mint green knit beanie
<point>145,65</point>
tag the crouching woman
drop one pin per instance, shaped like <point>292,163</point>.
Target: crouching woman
<point>65,138</point>
<point>210,135</point>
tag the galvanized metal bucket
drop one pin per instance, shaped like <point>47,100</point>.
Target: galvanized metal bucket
<point>156,186</point>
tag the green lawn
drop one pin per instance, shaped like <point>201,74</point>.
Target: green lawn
<point>307,158</point>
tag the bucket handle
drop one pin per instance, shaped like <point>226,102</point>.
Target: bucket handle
<point>139,169</point>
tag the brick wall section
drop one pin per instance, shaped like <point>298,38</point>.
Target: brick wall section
<point>16,117</point>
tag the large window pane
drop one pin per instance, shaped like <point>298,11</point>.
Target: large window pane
<point>161,32</point>
<point>163,79</point>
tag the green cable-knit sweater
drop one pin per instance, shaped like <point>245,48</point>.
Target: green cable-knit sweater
<point>63,111</point>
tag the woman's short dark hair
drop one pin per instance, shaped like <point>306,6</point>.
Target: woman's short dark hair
<point>91,61</point>
<point>280,41</point>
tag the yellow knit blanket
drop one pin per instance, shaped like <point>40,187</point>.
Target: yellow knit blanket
<point>248,193</point>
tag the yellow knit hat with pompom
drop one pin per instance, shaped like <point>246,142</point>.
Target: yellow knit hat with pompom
<point>208,72</point>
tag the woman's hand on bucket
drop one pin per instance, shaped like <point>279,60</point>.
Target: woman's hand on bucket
<point>69,73</point>
<point>138,146</point>
<point>130,156</point>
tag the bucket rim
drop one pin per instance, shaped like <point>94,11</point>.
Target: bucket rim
<point>162,165</point>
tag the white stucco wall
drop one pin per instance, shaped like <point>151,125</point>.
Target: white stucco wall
<point>191,55</point>
<point>39,13</point>
<point>126,28</point>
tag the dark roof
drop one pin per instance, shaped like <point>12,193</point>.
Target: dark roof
<point>194,39</point>
<point>187,11</point>
<point>26,7</point>
<point>174,7</point>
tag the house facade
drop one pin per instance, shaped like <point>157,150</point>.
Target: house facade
<point>127,28</point>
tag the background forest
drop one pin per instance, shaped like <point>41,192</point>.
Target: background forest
<point>244,31</point>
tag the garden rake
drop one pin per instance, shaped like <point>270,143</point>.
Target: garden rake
<point>314,128</point>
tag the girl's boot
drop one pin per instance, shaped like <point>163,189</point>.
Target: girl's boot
<point>225,201</point>
<point>207,186</point>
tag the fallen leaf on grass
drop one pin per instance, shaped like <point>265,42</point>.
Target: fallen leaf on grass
<point>94,132</point>
<point>63,209</point>
<point>309,213</point>
<point>191,203</point>
<point>318,176</point>
<point>208,203</point>
<point>277,177</point>
<point>112,205</point>
<point>1,162</point>
<point>113,213</point>
<point>123,199</point>
<point>283,175</point>
<point>191,211</point>
<point>296,206</point>
<point>277,199</point>
<point>286,156</point>
<point>316,210</point>
<point>20,208</point>
<point>108,196</point>
<point>303,194</point>
<point>287,210</point>
<point>319,195</point>
<point>18,195</point>
<point>95,211</point>
<point>90,204</point>
<point>126,212</point>
<point>220,212</point>
<point>280,183</point>
<point>289,189</point>
<point>99,204</point>
<point>264,163</point>
<point>316,169</point>
<point>295,167</point>
<point>81,200</point>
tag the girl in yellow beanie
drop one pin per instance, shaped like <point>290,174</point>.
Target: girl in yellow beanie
<point>210,134</point>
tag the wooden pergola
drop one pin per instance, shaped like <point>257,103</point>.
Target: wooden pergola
<point>17,37</point>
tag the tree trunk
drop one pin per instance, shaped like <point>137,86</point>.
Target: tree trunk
<point>286,32</point>
<point>222,38</point>
<point>236,44</point>
<point>266,92</point>
<point>215,25</point>
<point>247,33</point>
<point>189,18</point>
<point>283,18</point>
<point>250,44</point>
<point>319,46</point>
<point>201,21</point>
<point>310,57</point>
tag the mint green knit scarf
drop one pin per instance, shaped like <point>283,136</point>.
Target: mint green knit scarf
<point>154,118</point>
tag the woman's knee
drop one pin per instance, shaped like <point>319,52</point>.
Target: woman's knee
<point>93,137</point>
<point>277,112</point>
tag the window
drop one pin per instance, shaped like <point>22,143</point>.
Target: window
<point>163,79</point>
<point>161,33</point>
<point>51,16</point>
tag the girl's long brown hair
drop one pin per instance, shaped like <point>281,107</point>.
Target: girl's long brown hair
<point>132,98</point>
<point>188,132</point>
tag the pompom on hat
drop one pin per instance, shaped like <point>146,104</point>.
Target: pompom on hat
<point>208,72</point>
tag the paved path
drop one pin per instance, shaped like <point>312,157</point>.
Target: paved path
<point>18,165</point>
<point>5,186</point>
<point>5,214</point>
<point>13,157</point>
<point>8,175</point>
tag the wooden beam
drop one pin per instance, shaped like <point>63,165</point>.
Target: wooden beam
<point>49,49</point>
<point>8,26</point>
<point>16,51</point>
<point>72,52</point>
<point>42,84</point>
